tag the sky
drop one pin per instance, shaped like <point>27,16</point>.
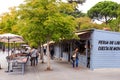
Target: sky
<point>5,4</point>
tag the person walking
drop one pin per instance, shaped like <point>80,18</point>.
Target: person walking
<point>44,50</point>
<point>75,58</point>
<point>37,56</point>
<point>52,53</point>
<point>33,55</point>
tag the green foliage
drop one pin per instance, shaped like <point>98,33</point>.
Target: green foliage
<point>32,43</point>
<point>72,9</point>
<point>105,10</point>
<point>59,26</point>
<point>115,23</point>
<point>86,23</point>
<point>45,20</point>
<point>8,20</point>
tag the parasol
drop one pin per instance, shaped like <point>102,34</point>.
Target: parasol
<point>10,38</point>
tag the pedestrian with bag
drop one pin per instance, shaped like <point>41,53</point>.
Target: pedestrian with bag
<point>37,56</point>
<point>33,55</point>
<point>75,58</point>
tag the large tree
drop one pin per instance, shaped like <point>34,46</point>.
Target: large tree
<point>46,20</point>
<point>103,11</point>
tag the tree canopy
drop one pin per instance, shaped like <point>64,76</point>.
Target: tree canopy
<point>46,19</point>
<point>104,10</point>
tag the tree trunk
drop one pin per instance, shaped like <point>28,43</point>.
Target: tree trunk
<point>42,54</point>
<point>48,56</point>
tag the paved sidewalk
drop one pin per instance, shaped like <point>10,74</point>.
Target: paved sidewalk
<point>61,71</point>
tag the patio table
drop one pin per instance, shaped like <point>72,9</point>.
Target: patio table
<point>22,61</point>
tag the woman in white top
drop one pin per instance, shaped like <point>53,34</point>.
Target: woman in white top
<point>33,56</point>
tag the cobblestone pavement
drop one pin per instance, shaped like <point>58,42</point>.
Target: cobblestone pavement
<point>61,70</point>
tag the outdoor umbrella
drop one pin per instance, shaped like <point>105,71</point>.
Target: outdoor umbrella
<point>10,38</point>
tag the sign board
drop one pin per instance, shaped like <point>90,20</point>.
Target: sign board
<point>105,49</point>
